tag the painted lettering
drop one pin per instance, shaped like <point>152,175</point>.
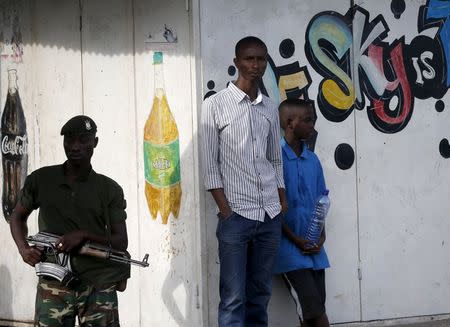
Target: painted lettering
<point>16,146</point>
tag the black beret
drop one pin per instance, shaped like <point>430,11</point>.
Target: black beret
<point>79,125</point>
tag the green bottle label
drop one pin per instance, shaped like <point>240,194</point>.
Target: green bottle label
<point>162,163</point>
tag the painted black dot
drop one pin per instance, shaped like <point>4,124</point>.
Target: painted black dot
<point>211,85</point>
<point>398,7</point>
<point>344,156</point>
<point>207,95</point>
<point>444,148</point>
<point>287,48</point>
<point>231,70</point>
<point>440,106</point>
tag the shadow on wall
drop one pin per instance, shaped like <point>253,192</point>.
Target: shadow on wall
<point>178,293</point>
<point>6,293</point>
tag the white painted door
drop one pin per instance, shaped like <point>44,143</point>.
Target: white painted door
<point>403,180</point>
<point>170,289</point>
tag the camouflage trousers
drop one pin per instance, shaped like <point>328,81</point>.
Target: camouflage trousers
<point>58,306</point>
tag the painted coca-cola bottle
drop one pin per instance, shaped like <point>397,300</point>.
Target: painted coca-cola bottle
<point>14,146</point>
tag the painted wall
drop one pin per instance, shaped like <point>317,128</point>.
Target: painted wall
<point>103,69</point>
<point>378,72</point>
<point>385,155</point>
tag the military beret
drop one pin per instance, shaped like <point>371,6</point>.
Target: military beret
<point>79,125</point>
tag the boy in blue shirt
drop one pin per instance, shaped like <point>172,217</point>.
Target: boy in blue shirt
<point>301,263</point>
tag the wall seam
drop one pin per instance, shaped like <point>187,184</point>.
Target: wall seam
<point>80,4</point>
<point>136,126</point>
<point>196,82</point>
<point>355,71</point>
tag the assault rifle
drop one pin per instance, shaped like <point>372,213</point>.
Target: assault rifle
<point>61,269</point>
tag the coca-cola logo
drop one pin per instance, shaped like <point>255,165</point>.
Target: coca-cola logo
<point>15,145</point>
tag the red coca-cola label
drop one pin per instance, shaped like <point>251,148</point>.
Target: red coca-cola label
<point>14,147</point>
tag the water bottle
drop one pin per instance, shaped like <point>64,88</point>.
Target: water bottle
<point>317,222</point>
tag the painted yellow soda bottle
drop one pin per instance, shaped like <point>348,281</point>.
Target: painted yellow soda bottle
<point>161,153</point>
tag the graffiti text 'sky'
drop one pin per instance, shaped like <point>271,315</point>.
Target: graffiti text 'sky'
<point>349,52</point>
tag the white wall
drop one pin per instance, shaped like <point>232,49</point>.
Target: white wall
<point>105,71</point>
<point>403,186</point>
<point>388,216</point>
<point>389,211</point>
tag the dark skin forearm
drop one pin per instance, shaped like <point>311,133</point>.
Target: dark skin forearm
<point>221,201</point>
<point>298,241</point>
<point>283,200</point>
<point>288,233</point>
<point>19,231</point>
<point>18,226</point>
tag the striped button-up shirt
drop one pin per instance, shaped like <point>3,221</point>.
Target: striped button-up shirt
<point>241,151</point>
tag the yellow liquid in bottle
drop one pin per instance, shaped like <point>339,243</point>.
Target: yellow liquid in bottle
<point>162,160</point>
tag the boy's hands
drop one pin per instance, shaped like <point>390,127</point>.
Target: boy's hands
<point>303,244</point>
<point>309,248</point>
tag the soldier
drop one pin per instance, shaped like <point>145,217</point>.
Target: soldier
<point>80,205</point>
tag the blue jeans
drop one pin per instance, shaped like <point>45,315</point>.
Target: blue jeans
<point>247,251</point>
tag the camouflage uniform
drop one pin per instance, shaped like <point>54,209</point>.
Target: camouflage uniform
<point>57,305</point>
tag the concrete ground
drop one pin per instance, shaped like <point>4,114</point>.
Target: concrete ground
<point>441,323</point>
<point>432,322</point>
<point>429,323</point>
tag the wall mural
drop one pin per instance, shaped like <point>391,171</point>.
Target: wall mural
<point>14,140</point>
<point>161,152</point>
<point>14,146</point>
<point>360,65</point>
<point>361,71</point>
<point>11,43</point>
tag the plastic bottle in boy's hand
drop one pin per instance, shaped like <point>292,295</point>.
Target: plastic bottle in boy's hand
<point>317,221</point>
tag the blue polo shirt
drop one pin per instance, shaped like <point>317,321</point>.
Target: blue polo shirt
<point>304,181</point>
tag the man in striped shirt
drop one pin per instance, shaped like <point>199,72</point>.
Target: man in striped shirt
<point>243,171</point>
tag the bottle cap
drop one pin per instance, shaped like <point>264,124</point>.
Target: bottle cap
<point>12,78</point>
<point>157,57</point>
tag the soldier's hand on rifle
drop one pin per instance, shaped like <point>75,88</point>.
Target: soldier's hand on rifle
<point>30,254</point>
<point>71,241</point>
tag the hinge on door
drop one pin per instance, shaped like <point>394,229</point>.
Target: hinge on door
<point>359,273</point>
<point>198,297</point>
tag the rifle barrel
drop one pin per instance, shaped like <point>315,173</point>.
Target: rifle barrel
<point>143,263</point>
